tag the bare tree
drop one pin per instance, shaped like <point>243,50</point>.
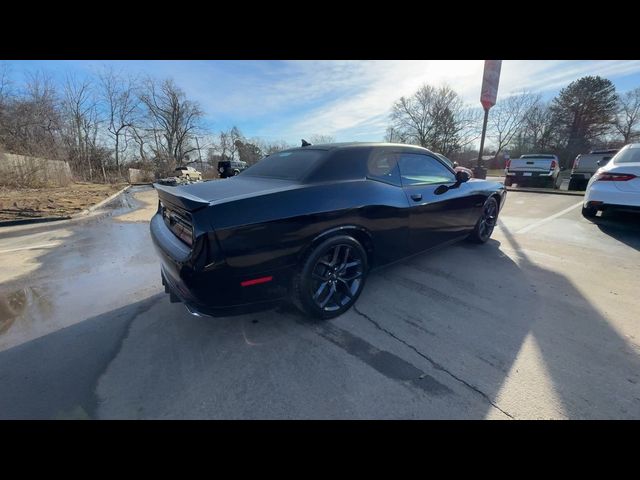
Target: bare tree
<point>393,135</point>
<point>434,118</point>
<point>121,105</point>
<point>80,107</point>
<point>30,120</point>
<point>628,118</point>
<point>320,138</point>
<point>412,116</point>
<point>508,117</point>
<point>5,84</point>
<point>174,120</point>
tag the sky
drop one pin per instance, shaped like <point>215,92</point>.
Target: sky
<point>347,99</point>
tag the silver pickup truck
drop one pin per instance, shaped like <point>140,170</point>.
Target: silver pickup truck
<point>586,164</point>
<point>536,169</point>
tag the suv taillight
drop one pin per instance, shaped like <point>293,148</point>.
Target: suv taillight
<point>508,164</point>
<point>614,177</point>
<point>576,162</point>
<point>553,165</point>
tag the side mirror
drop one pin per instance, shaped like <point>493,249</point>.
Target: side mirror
<point>462,176</point>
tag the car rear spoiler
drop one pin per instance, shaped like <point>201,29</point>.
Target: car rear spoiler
<point>178,197</point>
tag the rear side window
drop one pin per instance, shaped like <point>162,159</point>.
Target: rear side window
<point>384,168</point>
<point>627,155</point>
<point>418,169</point>
<point>287,165</point>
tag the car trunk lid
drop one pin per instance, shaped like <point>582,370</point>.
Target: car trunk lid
<point>220,191</point>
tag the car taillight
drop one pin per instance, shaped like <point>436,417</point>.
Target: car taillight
<point>614,177</point>
<point>553,165</point>
<point>576,162</point>
<point>508,164</point>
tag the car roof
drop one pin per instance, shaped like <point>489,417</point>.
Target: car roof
<point>345,145</point>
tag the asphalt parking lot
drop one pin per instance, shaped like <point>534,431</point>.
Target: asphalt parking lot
<point>541,322</point>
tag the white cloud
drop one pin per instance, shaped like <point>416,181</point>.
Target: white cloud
<point>376,85</point>
<point>349,99</point>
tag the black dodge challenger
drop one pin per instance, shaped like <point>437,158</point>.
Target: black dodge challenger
<point>308,224</point>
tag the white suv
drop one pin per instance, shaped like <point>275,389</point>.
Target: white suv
<point>616,185</point>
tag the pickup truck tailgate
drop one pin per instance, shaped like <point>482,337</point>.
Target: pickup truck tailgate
<point>530,164</point>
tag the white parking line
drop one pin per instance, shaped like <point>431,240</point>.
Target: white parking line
<point>548,219</point>
<point>46,245</point>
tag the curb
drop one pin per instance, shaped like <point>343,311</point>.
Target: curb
<point>86,211</point>
<point>542,190</point>
<point>27,221</point>
<point>83,213</point>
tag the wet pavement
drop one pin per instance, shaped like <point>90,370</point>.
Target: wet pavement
<point>539,323</point>
<point>55,276</point>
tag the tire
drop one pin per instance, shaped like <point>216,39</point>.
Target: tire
<point>574,184</point>
<point>338,265</point>
<point>589,212</point>
<point>236,172</point>
<point>486,223</point>
<point>507,181</point>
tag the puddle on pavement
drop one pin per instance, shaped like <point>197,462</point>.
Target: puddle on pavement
<point>21,305</point>
<point>100,266</point>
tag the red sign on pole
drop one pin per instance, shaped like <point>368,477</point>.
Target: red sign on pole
<point>490,82</point>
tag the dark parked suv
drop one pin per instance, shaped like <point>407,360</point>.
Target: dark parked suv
<point>585,166</point>
<point>231,168</point>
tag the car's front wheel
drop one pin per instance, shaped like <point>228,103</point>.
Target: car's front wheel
<point>486,223</point>
<point>331,277</point>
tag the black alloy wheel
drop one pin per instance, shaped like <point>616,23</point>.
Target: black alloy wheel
<point>486,223</point>
<point>331,278</point>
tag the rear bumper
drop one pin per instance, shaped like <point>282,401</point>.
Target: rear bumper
<point>581,176</point>
<point>607,195</point>
<point>178,294</point>
<point>519,174</point>
<point>213,290</point>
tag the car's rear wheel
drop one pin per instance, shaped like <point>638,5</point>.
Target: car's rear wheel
<point>486,223</point>
<point>331,277</point>
<point>236,172</point>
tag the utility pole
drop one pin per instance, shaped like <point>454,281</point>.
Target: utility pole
<point>488,96</point>
<point>479,167</point>
<point>199,156</point>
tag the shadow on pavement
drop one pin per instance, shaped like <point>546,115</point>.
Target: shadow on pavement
<point>623,226</point>
<point>521,335</point>
<point>55,376</point>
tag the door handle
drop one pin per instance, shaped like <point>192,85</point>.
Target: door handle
<point>416,197</point>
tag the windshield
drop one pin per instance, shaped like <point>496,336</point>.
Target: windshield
<point>445,160</point>
<point>627,155</point>
<point>288,165</point>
